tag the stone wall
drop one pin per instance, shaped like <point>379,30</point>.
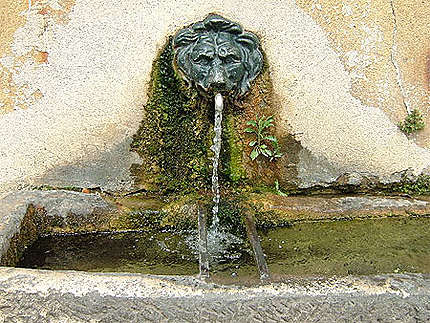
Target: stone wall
<point>74,77</point>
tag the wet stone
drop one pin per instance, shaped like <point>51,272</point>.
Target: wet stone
<point>303,208</point>
<point>60,208</point>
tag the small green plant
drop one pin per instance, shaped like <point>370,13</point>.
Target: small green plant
<point>264,143</point>
<point>413,122</point>
<point>278,189</point>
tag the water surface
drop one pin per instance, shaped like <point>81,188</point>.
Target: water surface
<point>358,247</point>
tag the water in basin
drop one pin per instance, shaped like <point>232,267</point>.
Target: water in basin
<point>370,246</point>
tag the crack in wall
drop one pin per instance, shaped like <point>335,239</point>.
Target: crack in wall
<point>395,63</point>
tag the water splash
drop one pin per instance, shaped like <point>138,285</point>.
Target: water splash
<point>221,246</point>
<point>219,242</point>
<point>216,148</point>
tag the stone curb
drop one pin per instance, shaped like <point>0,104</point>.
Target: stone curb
<point>40,296</point>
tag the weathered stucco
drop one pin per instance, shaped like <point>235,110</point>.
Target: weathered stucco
<point>10,21</point>
<point>13,14</point>
<point>384,46</point>
<point>74,79</point>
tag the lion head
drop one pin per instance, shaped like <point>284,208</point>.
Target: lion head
<point>216,55</point>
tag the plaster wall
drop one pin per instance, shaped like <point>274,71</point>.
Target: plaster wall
<point>74,77</point>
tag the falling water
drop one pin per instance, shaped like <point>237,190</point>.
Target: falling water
<point>216,148</point>
<point>217,242</point>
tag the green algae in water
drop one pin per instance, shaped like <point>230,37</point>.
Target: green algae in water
<point>162,253</point>
<point>357,247</point>
<point>157,253</point>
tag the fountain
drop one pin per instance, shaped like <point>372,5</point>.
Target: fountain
<point>193,136</point>
<point>218,58</point>
<point>193,139</point>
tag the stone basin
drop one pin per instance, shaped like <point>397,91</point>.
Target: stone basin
<point>63,295</point>
<point>36,295</point>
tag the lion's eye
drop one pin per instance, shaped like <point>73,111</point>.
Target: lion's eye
<point>203,60</point>
<point>231,59</point>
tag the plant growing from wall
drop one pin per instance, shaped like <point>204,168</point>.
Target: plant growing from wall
<point>278,190</point>
<point>264,144</point>
<point>412,123</point>
<point>419,186</point>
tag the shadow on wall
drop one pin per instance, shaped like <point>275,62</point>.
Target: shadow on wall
<point>109,170</point>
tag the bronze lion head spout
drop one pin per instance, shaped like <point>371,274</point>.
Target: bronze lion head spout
<point>217,55</point>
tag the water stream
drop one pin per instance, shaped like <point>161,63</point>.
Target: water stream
<point>216,148</point>
<point>219,241</point>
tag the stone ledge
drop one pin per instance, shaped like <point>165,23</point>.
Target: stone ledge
<point>60,208</point>
<point>36,295</point>
<point>309,208</point>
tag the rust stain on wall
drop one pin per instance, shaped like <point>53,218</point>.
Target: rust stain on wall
<point>13,16</point>
<point>427,71</point>
<point>60,15</point>
<point>10,21</point>
<point>40,57</point>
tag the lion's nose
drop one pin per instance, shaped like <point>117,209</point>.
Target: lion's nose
<point>218,81</point>
<point>218,76</point>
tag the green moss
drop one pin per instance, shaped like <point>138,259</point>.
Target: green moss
<point>265,220</point>
<point>232,157</point>
<point>413,122</point>
<point>174,137</point>
<point>231,214</point>
<point>177,214</point>
<point>420,186</point>
<point>143,219</point>
<point>154,220</point>
<point>182,213</point>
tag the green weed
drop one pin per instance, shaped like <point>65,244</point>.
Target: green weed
<point>264,144</point>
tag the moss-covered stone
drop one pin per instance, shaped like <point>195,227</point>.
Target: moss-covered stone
<point>182,213</point>
<point>231,215</point>
<point>417,186</point>
<point>176,133</point>
<point>149,213</point>
<point>233,154</point>
<point>174,137</point>
<point>179,213</point>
